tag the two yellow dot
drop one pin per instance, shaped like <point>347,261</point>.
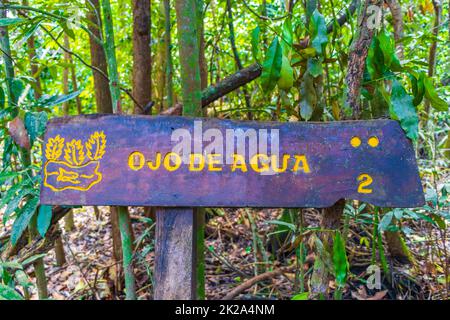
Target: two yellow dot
<point>373,142</point>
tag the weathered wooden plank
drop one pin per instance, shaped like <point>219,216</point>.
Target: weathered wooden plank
<point>175,275</point>
<point>128,160</point>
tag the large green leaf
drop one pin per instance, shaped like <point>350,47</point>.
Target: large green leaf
<point>55,100</point>
<point>288,37</point>
<point>43,220</point>
<point>430,92</point>
<point>272,66</point>
<point>255,43</point>
<point>318,30</point>
<point>308,97</point>
<point>417,86</point>
<point>340,261</point>
<point>387,46</point>
<point>286,80</point>
<point>4,22</point>
<point>403,109</point>
<point>375,60</point>
<point>8,293</point>
<point>22,221</point>
<point>2,98</point>
<point>17,88</point>
<point>35,123</point>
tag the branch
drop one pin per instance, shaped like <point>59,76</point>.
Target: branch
<point>24,249</point>
<point>227,85</point>
<point>344,17</point>
<point>251,282</point>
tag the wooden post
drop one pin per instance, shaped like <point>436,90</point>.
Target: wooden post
<point>175,254</point>
<point>179,265</point>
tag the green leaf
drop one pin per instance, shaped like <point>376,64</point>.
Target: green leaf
<point>32,259</point>
<point>55,100</point>
<point>418,87</point>
<point>4,22</point>
<point>308,97</point>
<point>44,219</point>
<point>340,259</point>
<point>272,66</point>
<point>430,92</point>
<point>375,60</point>
<point>288,37</point>
<point>387,46</point>
<point>35,123</point>
<point>2,98</point>
<point>23,279</point>
<point>286,80</point>
<point>8,175</point>
<point>315,67</point>
<point>318,31</point>
<point>301,296</point>
<point>255,43</point>
<point>386,221</point>
<point>9,293</point>
<point>17,88</point>
<point>22,221</point>
<point>403,109</point>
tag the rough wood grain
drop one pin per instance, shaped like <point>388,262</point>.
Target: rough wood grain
<point>174,268</point>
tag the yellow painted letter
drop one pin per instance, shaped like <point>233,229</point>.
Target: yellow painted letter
<point>212,161</point>
<point>136,161</point>
<point>167,162</point>
<point>276,165</point>
<point>301,159</point>
<point>238,163</point>
<point>254,163</point>
<point>157,162</point>
<point>200,164</point>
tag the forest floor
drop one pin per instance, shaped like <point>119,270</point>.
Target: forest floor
<point>89,272</point>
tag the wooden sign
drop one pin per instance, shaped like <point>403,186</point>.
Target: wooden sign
<point>195,162</point>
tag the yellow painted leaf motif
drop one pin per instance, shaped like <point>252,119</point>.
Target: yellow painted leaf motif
<point>73,153</point>
<point>96,145</point>
<point>54,147</point>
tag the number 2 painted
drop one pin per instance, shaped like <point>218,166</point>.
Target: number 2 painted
<point>364,182</point>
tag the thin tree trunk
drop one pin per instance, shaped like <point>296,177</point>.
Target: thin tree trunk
<point>437,5</point>
<point>104,106</point>
<point>357,58</point>
<point>142,63</point>
<point>237,59</point>
<point>69,223</point>
<point>142,55</point>
<point>168,51</point>
<point>72,74</point>
<point>124,218</point>
<point>59,252</point>
<point>397,17</point>
<point>39,268</point>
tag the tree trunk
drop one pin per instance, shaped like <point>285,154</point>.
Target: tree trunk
<point>168,52</point>
<point>124,219</point>
<point>237,59</point>
<point>357,58</point>
<point>59,252</point>
<point>104,106</point>
<point>142,56</point>
<point>437,5</point>
<point>142,63</point>
<point>397,17</point>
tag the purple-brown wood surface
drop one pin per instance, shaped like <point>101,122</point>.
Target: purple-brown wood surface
<point>131,160</point>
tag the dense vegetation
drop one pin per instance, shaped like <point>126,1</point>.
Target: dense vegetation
<point>305,60</point>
